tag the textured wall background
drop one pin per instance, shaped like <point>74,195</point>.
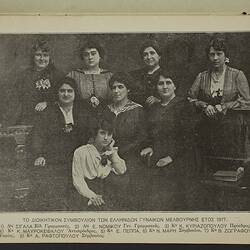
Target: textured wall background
<point>183,53</point>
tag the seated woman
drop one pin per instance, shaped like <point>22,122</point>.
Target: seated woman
<point>35,87</point>
<point>93,163</point>
<point>167,147</point>
<point>61,128</point>
<point>128,116</point>
<point>92,80</point>
<point>219,93</point>
<point>129,134</point>
<point>146,77</point>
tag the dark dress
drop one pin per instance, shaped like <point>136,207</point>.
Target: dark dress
<point>129,128</point>
<point>56,142</point>
<point>32,87</point>
<point>144,84</point>
<point>129,135</point>
<point>224,136</point>
<point>52,139</point>
<point>170,133</point>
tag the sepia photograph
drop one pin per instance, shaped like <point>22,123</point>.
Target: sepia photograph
<point>131,121</point>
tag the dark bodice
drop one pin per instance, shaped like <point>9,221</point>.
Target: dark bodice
<point>53,139</point>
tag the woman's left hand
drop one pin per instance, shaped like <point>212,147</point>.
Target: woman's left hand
<point>164,161</point>
<point>110,147</point>
<point>41,106</point>
<point>151,100</point>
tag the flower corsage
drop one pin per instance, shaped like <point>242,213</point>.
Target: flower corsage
<point>43,84</point>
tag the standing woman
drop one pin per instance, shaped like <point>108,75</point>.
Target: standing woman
<point>219,93</point>
<point>146,77</point>
<point>36,85</point>
<point>167,147</point>
<point>92,80</point>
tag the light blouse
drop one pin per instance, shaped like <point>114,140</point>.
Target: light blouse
<point>87,165</point>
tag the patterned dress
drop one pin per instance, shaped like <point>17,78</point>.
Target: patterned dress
<point>90,85</point>
<point>223,136</point>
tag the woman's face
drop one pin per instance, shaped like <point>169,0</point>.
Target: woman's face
<point>151,57</point>
<point>91,57</point>
<point>119,91</point>
<point>66,94</point>
<point>103,138</point>
<point>165,88</point>
<point>41,59</point>
<point>217,58</point>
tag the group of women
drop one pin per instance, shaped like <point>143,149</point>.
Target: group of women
<point>130,138</point>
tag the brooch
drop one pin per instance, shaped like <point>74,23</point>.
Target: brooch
<point>68,128</point>
<point>43,84</point>
<point>94,101</point>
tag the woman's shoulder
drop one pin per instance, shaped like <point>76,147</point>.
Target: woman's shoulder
<point>56,72</point>
<point>50,111</point>
<point>105,71</point>
<point>85,150</point>
<point>203,73</point>
<point>135,105</point>
<point>234,70</point>
<point>138,73</point>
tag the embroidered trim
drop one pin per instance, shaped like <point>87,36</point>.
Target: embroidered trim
<point>102,71</point>
<point>129,106</point>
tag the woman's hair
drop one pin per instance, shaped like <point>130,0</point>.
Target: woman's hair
<point>167,74</point>
<point>150,43</point>
<point>71,82</point>
<point>90,44</point>
<point>43,45</point>
<point>217,44</point>
<point>104,123</point>
<point>121,77</point>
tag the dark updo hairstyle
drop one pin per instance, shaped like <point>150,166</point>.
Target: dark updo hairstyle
<point>72,83</point>
<point>122,77</point>
<point>91,44</point>
<point>218,44</point>
<point>150,43</point>
<point>102,122</point>
<point>167,74</point>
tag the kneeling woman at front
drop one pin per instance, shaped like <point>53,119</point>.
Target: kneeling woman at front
<point>97,160</point>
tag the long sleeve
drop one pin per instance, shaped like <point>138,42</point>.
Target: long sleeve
<point>118,164</point>
<point>140,132</point>
<point>183,129</point>
<point>243,100</point>
<point>193,94</point>
<point>79,178</point>
<point>40,134</point>
<point>129,129</point>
